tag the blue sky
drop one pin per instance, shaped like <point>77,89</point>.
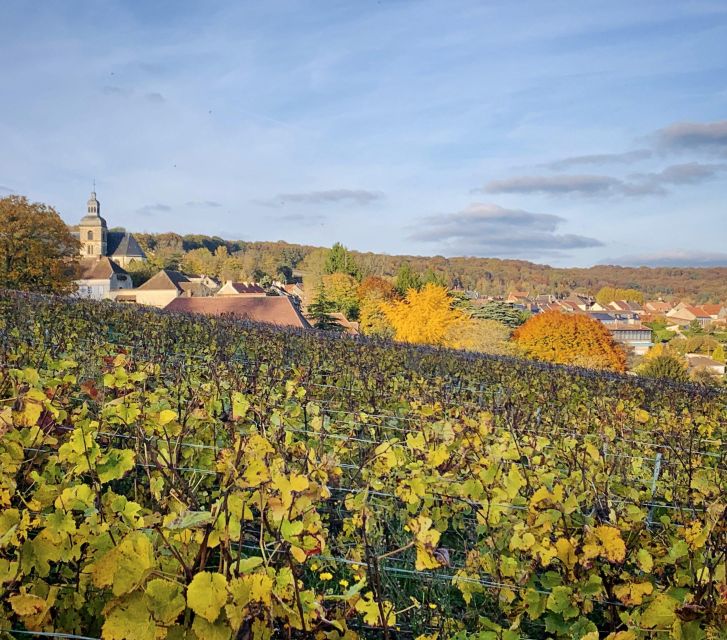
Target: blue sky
<point>570,133</point>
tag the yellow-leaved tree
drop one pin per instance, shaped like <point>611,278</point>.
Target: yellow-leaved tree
<point>426,316</point>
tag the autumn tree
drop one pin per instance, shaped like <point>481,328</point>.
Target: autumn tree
<point>372,292</point>
<point>718,354</point>
<point>666,366</point>
<point>482,336</point>
<point>609,294</point>
<point>37,250</point>
<point>425,316</point>
<point>573,339</point>
<point>342,290</point>
<point>375,286</point>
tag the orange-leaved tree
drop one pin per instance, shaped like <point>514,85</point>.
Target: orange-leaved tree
<point>424,316</point>
<point>37,249</point>
<point>569,338</point>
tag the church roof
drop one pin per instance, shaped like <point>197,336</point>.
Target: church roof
<point>98,268</point>
<point>91,220</point>
<point>120,244</point>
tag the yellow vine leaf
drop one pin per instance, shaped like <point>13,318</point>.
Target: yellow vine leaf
<point>369,608</point>
<point>426,542</point>
<point>26,605</point>
<point>660,613</point>
<point>612,546</point>
<point>634,592</point>
<point>165,600</point>
<point>128,619</point>
<point>126,565</point>
<point>566,553</point>
<point>205,630</point>
<point>166,416</point>
<point>644,560</point>
<point>207,594</point>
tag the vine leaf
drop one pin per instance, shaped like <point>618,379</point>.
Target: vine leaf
<point>125,566</point>
<point>660,613</point>
<point>165,600</point>
<point>128,619</point>
<point>207,594</point>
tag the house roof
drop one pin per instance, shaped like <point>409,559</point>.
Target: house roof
<point>246,287</point>
<point>122,244</point>
<point>711,309</point>
<point>697,361</point>
<point>603,316</point>
<point>625,326</point>
<point>658,306</point>
<point>98,268</point>
<point>270,309</point>
<point>165,280</point>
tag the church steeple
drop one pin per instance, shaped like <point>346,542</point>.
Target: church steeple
<point>92,229</point>
<point>93,205</point>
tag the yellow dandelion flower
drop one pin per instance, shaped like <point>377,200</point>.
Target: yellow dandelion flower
<point>325,576</point>
<point>343,583</point>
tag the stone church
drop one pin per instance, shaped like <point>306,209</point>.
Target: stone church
<point>97,241</point>
<point>104,254</point>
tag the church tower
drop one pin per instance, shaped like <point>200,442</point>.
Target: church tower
<point>92,229</point>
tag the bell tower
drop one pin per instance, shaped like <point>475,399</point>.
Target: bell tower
<point>92,230</point>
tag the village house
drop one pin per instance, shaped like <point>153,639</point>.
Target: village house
<point>98,278</point>
<point>277,310</point>
<point>684,314</point>
<point>633,335</point>
<point>241,289</point>
<point>696,362</point>
<point>164,287</point>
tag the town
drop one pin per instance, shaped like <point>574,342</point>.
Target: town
<point>695,333</point>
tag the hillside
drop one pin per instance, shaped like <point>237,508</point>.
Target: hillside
<point>168,476</point>
<point>489,276</point>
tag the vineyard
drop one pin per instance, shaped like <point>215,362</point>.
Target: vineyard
<point>173,477</point>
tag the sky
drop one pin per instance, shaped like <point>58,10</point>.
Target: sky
<point>567,133</point>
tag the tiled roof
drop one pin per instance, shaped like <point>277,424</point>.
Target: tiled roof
<point>122,244</point>
<point>98,269</point>
<point>625,326</point>
<point>165,280</point>
<point>241,288</point>
<point>271,309</point>
<point>712,309</point>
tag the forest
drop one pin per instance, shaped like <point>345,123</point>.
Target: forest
<point>488,276</point>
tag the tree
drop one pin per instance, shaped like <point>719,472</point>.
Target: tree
<point>504,313</point>
<point>340,260</point>
<point>374,286</point>
<point>342,291</point>
<point>609,294</point>
<point>37,250</point>
<point>665,366</point>
<point>406,280</point>
<point>424,316</point>
<point>483,336</point>
<point>718,354</point>
<point>372,292</point>
<point>372,320</point>
<point>320,313</point>
<point>574,339</point>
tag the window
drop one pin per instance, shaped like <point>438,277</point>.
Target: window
<point>89,250</point>
<point>90,235</point>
